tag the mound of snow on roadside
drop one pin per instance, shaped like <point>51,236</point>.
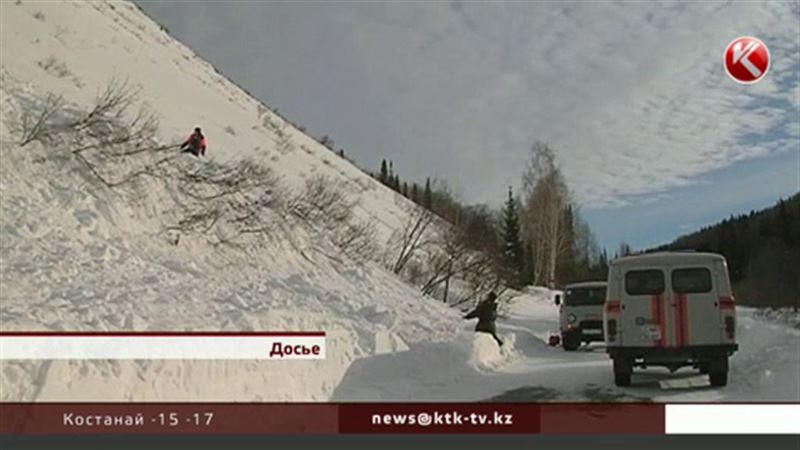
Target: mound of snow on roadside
<point>533,301</point>
<point>786,316</point>
<point>424,369</point>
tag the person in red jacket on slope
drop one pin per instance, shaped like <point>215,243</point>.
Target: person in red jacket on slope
<point>195,143</point>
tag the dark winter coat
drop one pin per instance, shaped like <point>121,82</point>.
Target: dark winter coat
<point>486,312</point>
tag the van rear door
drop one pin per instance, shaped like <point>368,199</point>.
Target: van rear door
<point>644,308</point>
<point>694,304</point>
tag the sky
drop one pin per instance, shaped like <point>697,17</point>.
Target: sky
<point>654,138</point>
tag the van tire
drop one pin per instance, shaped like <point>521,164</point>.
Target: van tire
<point>571,341</point>
<point>718,379</point>
<point>623,368</point>
<point>622,379</point>
<point>718,371</point>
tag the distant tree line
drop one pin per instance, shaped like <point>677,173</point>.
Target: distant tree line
<point>422,196</point>
<point>762,249</point>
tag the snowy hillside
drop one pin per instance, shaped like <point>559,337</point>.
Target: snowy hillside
<point>78,254</point>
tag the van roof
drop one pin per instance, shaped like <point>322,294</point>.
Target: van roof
<point>668,258</point>
<point>586,284</point>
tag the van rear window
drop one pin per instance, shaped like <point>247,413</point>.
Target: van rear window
<point>644,282</point>
<point>691,281</point>
<point>585,296</point>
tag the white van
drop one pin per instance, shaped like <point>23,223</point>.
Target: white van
<point>580,315</point>
<point>670,309</point>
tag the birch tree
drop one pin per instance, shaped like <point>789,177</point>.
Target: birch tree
<point>546,196</point>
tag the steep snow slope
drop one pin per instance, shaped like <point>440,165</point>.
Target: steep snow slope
<point>75,48</point>
<point>78,255</point>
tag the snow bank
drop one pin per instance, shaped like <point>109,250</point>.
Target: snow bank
<point>786,316</point>
<point>533,301</point>
<point>424,369</point>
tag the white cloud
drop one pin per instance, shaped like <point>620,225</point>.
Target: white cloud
<point>633,95</point>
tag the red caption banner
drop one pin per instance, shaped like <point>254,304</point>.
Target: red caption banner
<point>329,418</point>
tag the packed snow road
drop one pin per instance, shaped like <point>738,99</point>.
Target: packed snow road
<point>765,368</point>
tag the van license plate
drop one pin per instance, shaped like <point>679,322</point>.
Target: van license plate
<point>651,332</point>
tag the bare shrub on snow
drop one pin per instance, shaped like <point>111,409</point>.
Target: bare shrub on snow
<point>108,123</point>
<point>231,200</point>
<point>37,121</point>
<point>111,121</point>
<point>357,239</point>
<point>413,238</point>
<point>324,205</point>
<point>322,201</point>
<point>448,256</point>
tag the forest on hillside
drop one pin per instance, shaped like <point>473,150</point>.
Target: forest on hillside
<point>762,249</point>
<point>538,237</point>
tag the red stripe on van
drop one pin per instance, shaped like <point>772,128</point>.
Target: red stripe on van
<point>613,306</point>
<point>685,317</point>
<point>657,317</point>
<point>726,303</point>
<point>678,320</point>
<point>662,299</point>
<point>681,320</point>
<point>654,310</point>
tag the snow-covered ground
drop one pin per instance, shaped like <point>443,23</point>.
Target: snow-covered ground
<point>766,368</point>
<point>78,255</point>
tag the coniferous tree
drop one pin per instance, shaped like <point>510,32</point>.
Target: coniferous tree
<point>512,245</point>
<point>784,226</point>
<point>427,198</point>
<point>405,189</point>
<point>600,270</point>
<point>414,193</point>
<point>384,172</point>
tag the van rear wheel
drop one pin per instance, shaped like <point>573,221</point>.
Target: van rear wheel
<point>623,368</point>
<point>718,378</point>
<point>718,371</point>
<point>571,341</point>
<point>622,379</point>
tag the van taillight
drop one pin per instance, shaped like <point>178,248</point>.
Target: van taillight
<point>730,327</point>
<point>611,326</point>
